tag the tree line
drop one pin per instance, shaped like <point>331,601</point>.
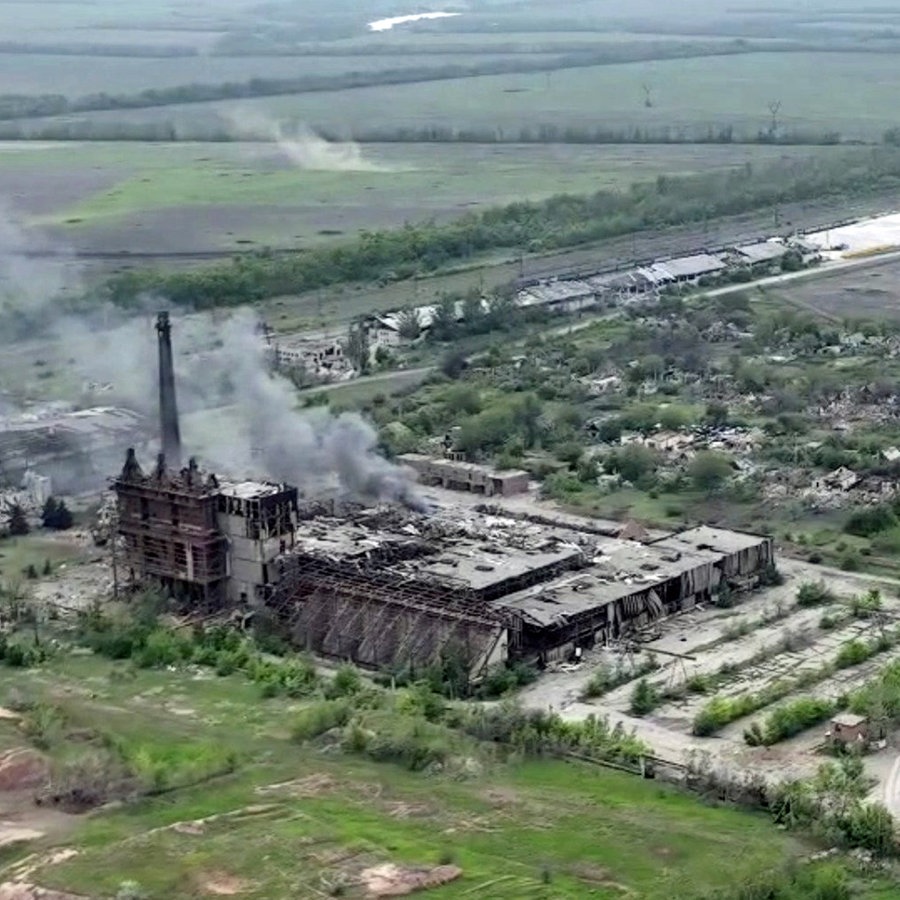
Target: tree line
<point>20,106</point>
<point>538,133</point>
<point>559,222</point>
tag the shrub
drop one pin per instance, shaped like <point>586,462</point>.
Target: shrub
<point>346,682</point>
<point>505,679</point>
<point>163,647</point>
<point>43,725</point>
<point>319,718</point>
<point>851,561</point>
<point>814,593</point>
<point>130,890</point>
<point>852,653</point>
<point>86,781</point>
<point>871,520</point>
<point>771,576</point>
<point>413,743</point>
<point>644,698</point>
<point>866,605</point>
<point>870,826</point>
<point>792,718</point>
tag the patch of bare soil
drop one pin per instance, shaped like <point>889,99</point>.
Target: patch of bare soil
<point>311,786</point>
<point>389,880</point>
<point>16,834</point>
<point>9,715</point>
<point>22,768</point>
<point>221,884</point>
<point>21,891</point>
<point>26,868</point>
<point>596,875</point>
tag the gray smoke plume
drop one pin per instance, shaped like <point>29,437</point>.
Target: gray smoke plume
<point>34,275</point>
<point>301,145</point>
<point>262,431</point>
<point>238,417</point>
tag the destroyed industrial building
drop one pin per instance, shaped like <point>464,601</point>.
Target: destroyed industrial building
<point>388,587</point>
<point>493,585</point>
<point>75,449</point>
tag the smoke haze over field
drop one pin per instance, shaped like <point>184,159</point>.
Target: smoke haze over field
<point>302,146</point>
<point>255,430</point>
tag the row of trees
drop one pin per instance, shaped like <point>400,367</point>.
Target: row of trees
<point>561,221</point>
<point>55,515</point>
<point>15,106</point>
<point>541,133</point>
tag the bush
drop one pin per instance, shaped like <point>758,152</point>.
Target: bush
<point>771,576</point>
<point>413,743</point>
<point>504,679</point>
<point>814,593</point>
<point>871,520</point>
<point>851,561</point>
<point>792,718</point>
<point>852,654</point>
<point>866,605</point>
<point>319,718</point>
<point>163,647</point>
<point>346,682</point>
<point>644,698</point>
<point>86,781</point>
<point>871,827</point>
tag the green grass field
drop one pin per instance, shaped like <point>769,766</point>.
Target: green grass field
<point>181,197</point>
<point>851,93</point>
<point>517,830</point>
<point>39,74</point>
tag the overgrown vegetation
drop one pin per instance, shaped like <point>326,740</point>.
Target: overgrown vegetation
<point>562,221</point>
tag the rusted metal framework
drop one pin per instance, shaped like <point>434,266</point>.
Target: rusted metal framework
<point>354,611</point>
<point>168,526</point>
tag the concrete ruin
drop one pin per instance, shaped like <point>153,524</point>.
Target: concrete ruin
<point>198,539</point>
<point>392,592</point>
<point>75,449</point>
<point>464,476</point>
<point>392,588</point>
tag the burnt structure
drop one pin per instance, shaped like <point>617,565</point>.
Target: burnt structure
<point>167,522</point>
<point>202,540</point>
<point>168,407</point>
<point>493,588</point>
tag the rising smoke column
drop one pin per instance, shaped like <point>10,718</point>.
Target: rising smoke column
<point>220,365</point>
<point>263,431</point>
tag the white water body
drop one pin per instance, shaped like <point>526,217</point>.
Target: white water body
<point>388,24</point>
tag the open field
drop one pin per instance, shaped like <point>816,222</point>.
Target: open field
<point>86,74</point>
<point>516,830</point>
<point>870,292</point>
<point>849,93</point>
<point>199,197</point>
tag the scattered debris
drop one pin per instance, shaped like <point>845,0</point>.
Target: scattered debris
<point>311,786</point>
<point>21,891</point>
<point>224,885</point>
<point>389,880</point>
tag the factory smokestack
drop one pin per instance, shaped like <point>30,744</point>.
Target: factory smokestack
<point>168,408</point>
